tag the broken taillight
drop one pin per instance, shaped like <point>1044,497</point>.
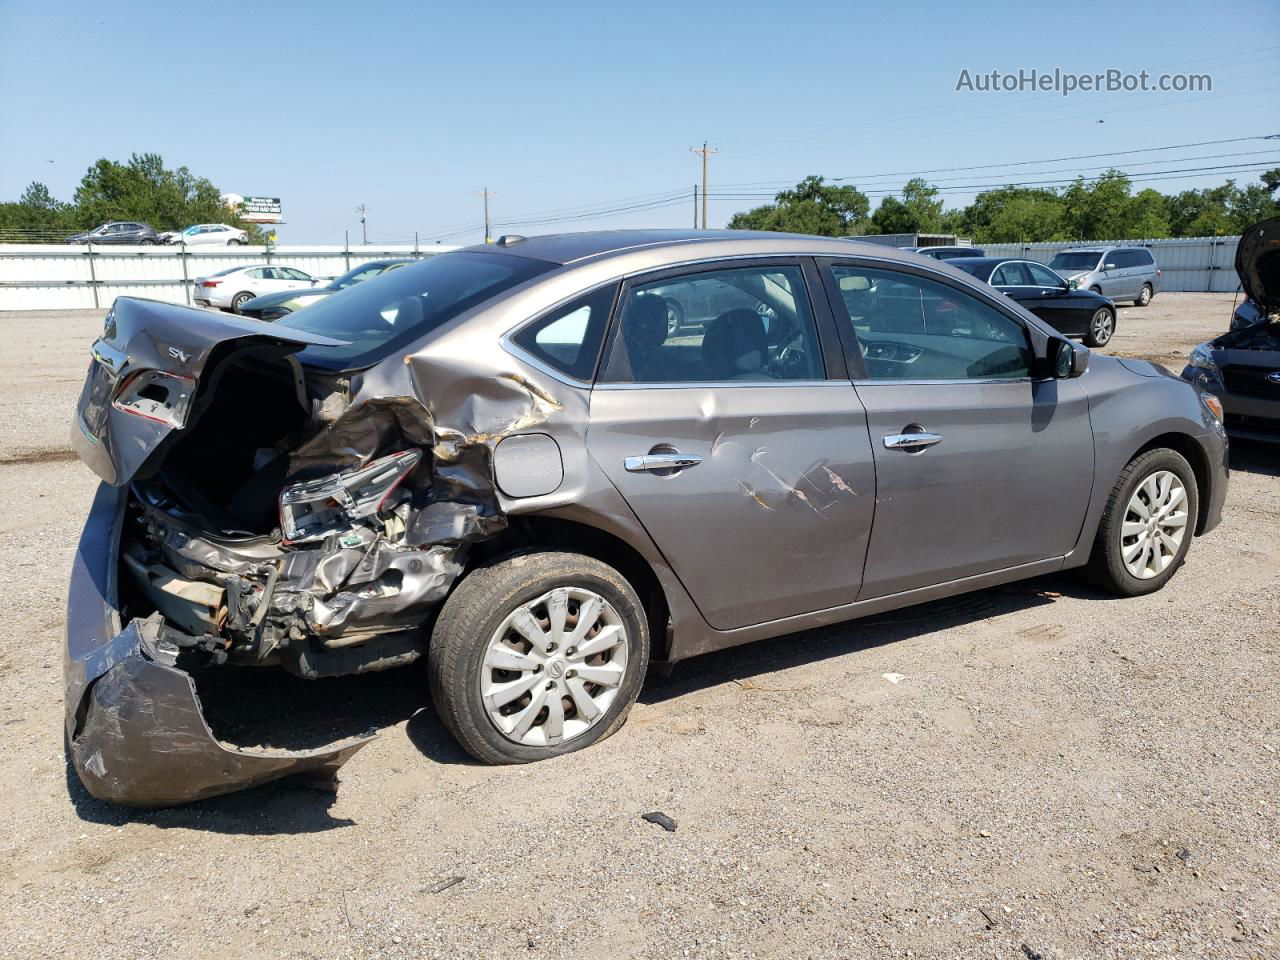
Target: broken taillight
<point>156,395</point>
<point>313,509</point>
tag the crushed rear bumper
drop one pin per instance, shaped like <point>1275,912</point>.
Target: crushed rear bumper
<point>135,730</point>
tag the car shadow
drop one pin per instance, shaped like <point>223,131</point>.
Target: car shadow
<point>293,805</point>
<point>265,708</point>
<point>798,649</point>
<point>1249,456</point>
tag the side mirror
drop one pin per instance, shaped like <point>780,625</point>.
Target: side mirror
<point>1067,360</point>
<point>1108,266</point>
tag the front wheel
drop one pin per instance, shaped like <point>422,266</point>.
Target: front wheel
<point>1147,526</point>
<point>537,655</point>
<point>1102,326</point>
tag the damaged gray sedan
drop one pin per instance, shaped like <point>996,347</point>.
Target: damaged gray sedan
<point>547,463</point>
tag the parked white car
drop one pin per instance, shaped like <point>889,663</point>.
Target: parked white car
<point>231,288</point>
<point>204,234</point>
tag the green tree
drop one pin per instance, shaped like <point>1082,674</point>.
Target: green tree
<point>918,211</point>
<point>1149,214</point>
<point>812,207</point>
<point>1100,210</point>
<point>1012,214</point>
<point>144,189</point>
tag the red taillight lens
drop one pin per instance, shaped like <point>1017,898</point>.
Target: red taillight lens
<point>210,283</point>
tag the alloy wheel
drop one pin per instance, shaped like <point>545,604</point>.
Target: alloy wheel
<point>1101,326</point>
<point>1154,526</point>
<point>554,666</point>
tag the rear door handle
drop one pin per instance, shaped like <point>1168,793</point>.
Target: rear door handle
<point>911,441</point>
<point>660,461</point>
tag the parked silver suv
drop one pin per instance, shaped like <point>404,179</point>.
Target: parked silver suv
<point>1120,273</point>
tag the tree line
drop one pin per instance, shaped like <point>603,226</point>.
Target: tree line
<point>1105,208</point>
<point>141,189</point>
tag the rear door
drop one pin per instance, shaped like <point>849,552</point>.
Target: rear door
<point>980,464</point>
<point>737,440</point>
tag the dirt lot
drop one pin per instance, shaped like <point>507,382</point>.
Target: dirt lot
<point>1057,774</point>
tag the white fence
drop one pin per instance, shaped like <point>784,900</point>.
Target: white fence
<point>48,277</point>
<point>1199,264</point>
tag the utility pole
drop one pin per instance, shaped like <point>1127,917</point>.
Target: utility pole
<point>705,152</point>
<point>486,193</point>
<point>695,206</point>
<point>364,234</point>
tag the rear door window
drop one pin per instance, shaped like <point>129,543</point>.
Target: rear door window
<point>1011,275</point>
<point>737,325</point>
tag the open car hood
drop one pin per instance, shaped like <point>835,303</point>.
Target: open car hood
<point>144,381</point>
<point>1258,263</point>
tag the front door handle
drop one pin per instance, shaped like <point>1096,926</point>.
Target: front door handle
<point>652,462</point>
<point>911,441</point>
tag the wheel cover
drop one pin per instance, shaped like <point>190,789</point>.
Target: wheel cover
<point>1145,296</point>
<point>554,666</point>
<point>1154,526</point>
<point>1101,325</point>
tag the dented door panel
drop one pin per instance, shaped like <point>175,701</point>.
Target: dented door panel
<point>774,519</point>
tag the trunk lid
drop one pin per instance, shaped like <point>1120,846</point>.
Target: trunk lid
<point>1258,263</point>
<point>143,384</point>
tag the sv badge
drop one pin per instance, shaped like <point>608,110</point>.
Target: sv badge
<point>179,355</point>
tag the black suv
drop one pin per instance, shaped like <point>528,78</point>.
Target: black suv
<point>1242,367</point>
<point>118,231</point>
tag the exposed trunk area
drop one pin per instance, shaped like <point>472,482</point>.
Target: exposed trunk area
<point>230,465</point>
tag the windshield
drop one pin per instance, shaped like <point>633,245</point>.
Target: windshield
<point>358,274</point>
<point>1074,261</point>
<point>377,318</point>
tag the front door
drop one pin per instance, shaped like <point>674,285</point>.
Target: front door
<point>744,456</point>
<point>980,466</point>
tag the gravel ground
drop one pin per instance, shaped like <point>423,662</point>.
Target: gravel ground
<point>1056,773</point>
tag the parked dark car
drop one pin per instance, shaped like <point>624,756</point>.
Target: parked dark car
<point>1069,310</point>
<point>1242,367</point>
<point>948,253</point>
<point>499,460</point>
<point>120,231</point>
<point>273,306</point>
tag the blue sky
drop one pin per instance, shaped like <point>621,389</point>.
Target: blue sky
<point>411,108</point>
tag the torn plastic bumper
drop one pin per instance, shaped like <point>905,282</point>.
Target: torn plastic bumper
<point>134,726</point>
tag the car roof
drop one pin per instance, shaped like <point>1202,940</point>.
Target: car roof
<point>676,246</point>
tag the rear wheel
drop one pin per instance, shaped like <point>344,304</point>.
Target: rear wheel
<point>536,656</point>
<point>1144,297</point>
<point>239,300</point>
<point>675,315</point>
<point>1102,326</point>
<point>1147,526</point>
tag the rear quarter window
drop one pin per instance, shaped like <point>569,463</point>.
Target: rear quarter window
<point>568,338</point>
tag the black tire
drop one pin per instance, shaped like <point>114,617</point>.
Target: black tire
<point>675,315</point>
<point>239,300</point>
<point>477,608</point>
<point>1106,567</point>
<point>147,242</point>
<point>1099,337</point>
<point>1096,289</point>
<point>1145,296</point>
